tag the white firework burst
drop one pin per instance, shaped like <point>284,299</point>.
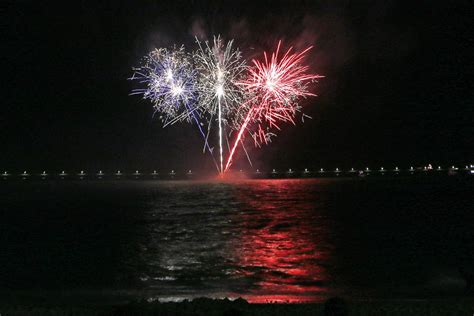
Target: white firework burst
<point>220,97</point>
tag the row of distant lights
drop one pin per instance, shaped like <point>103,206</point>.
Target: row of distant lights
<point>100,173</point>
<point>137,173</point>
<point>382,169</point>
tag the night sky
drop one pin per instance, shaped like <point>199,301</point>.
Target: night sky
<point>398,87</point>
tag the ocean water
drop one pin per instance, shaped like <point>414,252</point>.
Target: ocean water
<point>292,240</point>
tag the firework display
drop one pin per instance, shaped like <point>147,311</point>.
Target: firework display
<point>214,87</point>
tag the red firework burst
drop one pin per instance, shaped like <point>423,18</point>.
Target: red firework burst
<point>273,87</point>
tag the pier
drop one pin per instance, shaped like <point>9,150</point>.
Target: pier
<point>271,173</point>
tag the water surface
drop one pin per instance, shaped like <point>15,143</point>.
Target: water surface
<point>289,240</point>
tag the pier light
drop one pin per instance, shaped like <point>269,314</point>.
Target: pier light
<point>367,169</point>
<point>352,169</point>
<point>273,171</point>
<point>322,170</point>
<point>118,172</point>
<point>62,172</point>
<point>306,170</point>
<point>44,172</point>
<point>82,171</point>
<point>172,171</point>
<point>289,170</point>
<point>439,167</point>
<point>24,172</point>
<point>258,171</point>
<point>154,171</point>
<point>337,169</point>
<point>396,168</point>
<point>189,171</point>
<point>5,173</point>
<point>381,168</point>
<point>411,168</point>
<point>100,171</point>
<point>136,171</point>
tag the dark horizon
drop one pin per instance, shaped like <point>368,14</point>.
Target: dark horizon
<point>397,92</point>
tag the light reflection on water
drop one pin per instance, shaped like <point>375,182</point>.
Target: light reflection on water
<point>283,245</point>
<point>264,241</point>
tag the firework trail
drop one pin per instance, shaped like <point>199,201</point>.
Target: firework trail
<point>170,84</point>
<point>220,67</point>
<point>273,88</point>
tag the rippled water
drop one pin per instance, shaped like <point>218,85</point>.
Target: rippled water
<point>264,240</point>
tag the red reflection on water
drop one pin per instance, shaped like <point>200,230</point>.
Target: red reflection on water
<point>282,248</point>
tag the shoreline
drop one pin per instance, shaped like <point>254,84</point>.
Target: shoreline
<point>208,306</point>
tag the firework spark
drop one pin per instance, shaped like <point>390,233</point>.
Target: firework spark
<point>273,87</point>
<point>220,67</point>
